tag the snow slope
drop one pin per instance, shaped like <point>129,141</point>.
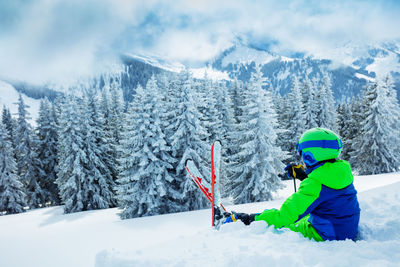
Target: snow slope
<point>158,62</point>
<point>46,237</point>
<point>9,96</point>
<point>167,65</point>
<point>385,64</point>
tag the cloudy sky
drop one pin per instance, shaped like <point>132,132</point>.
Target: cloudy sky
<point>55,39</point>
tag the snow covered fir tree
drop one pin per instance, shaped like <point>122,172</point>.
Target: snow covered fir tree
<point>376,146</point>
<point>258,161</point>
<point>93,150</point>
<point>71,176</point>
<point>47,151</point>
<point>188,139</point>
<point>293,120</point>
<point>29,166</point>
<point>84,179</point>
<point>145,183</point>
<point>12,196</point>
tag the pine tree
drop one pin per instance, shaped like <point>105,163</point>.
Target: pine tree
<point>295,121</point>
<point>347,128</point>
<point>10,125</point>
<point>343,122</point>
<point>207,96</point>
<point>210,100</point>
<point>167,92</point>
<point>326,116</point>
<point>358,107</point>
<point>309,101</point>
<point>73,175</point>
<point>393,108</point>
<point>234,138</point>
<point>47,150</point>
<point>259,160</point>
<point>236,95</point>
<point>110,148</point>
<point>169,88</point>
<point>84,180</point>
<point>116,114</point>
<point>28,166</point>
<point>376,151</point>
<point>226,111</point>
<point>128,186</point>
<point>12,197</point>
<point>282,108</point>
<point>23,134</point>
<point>143,185</point>
<point>71,157</point>
<point>187,140</point>
<point>100,182</point>
<point>110,110</point>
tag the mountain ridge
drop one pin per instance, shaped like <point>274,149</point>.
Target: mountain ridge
<point>348,79</point>
<point>349,74</point>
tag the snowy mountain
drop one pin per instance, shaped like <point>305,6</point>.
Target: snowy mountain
<point>139,69</point>
<point>47,237</point>
<point>162,64</point>
<point>246,55</point>
<point>155,61</point>
<point>9,97</point>
<point>351,66</point>
<point>383,60</point>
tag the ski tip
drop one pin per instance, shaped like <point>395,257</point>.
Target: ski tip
<point>187,160</point>
<point>217,142</point>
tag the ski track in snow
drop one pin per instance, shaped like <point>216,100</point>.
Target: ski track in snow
<point>47,237</point>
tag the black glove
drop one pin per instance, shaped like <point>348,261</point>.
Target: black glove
<point>245,218</point>
<point>219,213</point>
<point>296,171</point>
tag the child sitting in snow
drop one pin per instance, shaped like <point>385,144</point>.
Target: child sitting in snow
<point>325,207</point>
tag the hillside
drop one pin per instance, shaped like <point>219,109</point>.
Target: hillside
<point>9,97</point>
<point>47,237</point>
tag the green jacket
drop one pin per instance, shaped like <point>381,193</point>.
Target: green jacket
<point>328,197</point>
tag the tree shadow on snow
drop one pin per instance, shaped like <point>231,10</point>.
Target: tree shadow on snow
<point>56,215</point>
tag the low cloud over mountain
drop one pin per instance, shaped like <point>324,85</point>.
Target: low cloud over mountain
<point>46,40</point>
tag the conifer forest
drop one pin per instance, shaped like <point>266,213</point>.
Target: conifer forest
<point>95,150</point>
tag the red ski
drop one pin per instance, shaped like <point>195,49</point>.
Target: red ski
<point>215,181</point>
<point>199,180</point>
<point>211,191</point>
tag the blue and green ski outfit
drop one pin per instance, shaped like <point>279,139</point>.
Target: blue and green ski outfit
<point>324,208</point>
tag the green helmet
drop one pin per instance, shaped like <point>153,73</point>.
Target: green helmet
<point>319,144</point>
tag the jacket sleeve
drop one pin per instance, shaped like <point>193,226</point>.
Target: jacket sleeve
<point>295,207</point>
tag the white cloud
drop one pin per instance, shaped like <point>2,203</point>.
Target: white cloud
<point>191,45</point>
<point>56,39</point>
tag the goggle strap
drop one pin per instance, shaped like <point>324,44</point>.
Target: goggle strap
<point>332,144</point>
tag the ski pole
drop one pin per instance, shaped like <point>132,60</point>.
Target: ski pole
<point>294,182</point>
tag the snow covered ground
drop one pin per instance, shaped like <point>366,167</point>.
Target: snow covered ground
<point>47,237</point>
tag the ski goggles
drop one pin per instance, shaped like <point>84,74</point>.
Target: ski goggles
<point>332,144</point>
